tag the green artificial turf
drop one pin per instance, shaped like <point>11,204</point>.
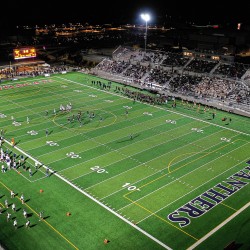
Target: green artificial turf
<point>119,174</point>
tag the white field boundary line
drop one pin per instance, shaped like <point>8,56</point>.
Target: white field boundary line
<point>218,227</point>
<point>179,179</point>
<point>171,111</point>
<point>99,203</point>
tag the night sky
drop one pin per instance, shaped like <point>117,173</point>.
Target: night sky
<point>18,12</point>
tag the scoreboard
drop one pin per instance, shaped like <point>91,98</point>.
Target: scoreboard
<point>23,53</point>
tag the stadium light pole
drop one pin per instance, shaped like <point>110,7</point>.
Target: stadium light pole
<point>146,18</point>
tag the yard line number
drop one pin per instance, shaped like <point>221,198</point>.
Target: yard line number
<point>16,123</point>
<point>73,155</point>
<point>197,130</point>
<point>130,187</point>
<point>52,143</point>
<point>225,139</point>
<point>32,132</point>
<point>99,170</point>
<point>171,121</point>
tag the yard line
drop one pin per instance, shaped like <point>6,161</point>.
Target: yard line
<point>218,227</point>
<point>154,174</point>
<point>39,178</point>
<point>54,134</point>
<point>131,155</point>
<point>121,153</point>
<point>169,152</point>
<point>23,175</point>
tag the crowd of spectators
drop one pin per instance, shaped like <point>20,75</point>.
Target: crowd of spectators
<point>31,71</point>
<point>174,60</point>
<point>201,66</point>
<point>234,70</point>
<point>176,74</point>
<point>167,72</point>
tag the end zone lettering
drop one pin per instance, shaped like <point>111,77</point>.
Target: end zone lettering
<point>212,197</point>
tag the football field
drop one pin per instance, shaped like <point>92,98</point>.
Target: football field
<point>141,176</point>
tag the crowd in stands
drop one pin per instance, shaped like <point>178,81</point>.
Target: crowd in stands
<point>168,72</point>
<point>174,60</point>
<point>177,74</point>
<point>234,70</point>
<point>201,66</point>
<point>13,72</point>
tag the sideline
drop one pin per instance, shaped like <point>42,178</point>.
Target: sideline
<point>95,200</point>
<point>218,227</point>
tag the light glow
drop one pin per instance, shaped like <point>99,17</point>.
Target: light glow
<point>145,17</point>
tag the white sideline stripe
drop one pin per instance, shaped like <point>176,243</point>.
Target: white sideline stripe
<point>116,214</point>
<point>218,227</point>
<point>96,201</point>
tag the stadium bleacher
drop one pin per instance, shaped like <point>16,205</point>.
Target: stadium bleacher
<point>216,82</point>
